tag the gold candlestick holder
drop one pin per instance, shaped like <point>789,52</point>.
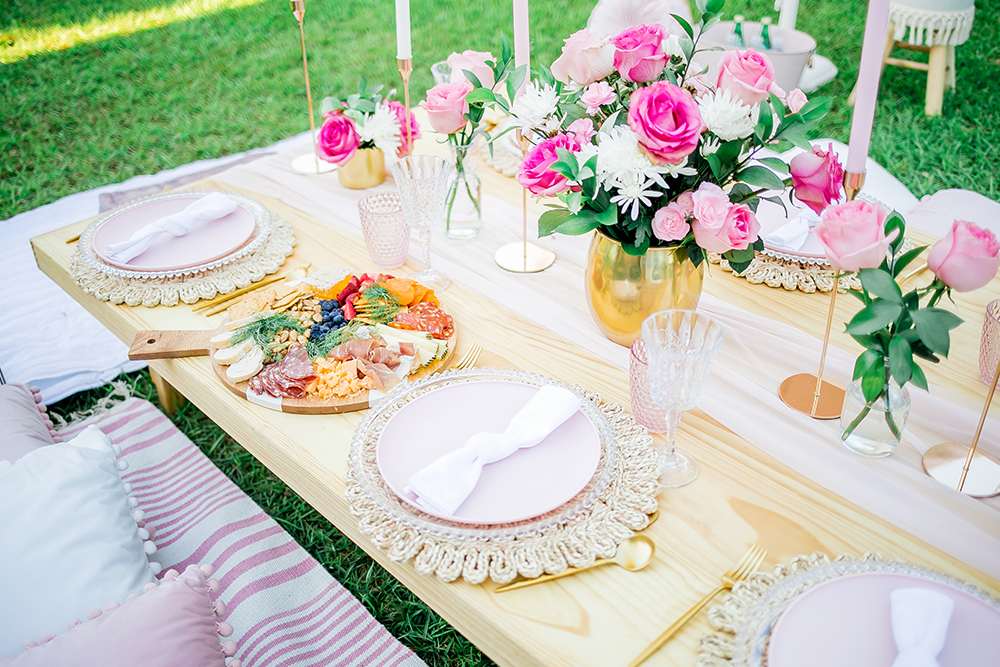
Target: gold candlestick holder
<point>951,462</point>
<point>307,163</point>
<point>524,257</point>
<point>405,67</point>
<point>811,394</point>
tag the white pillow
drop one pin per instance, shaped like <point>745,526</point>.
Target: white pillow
<point>69,541</point>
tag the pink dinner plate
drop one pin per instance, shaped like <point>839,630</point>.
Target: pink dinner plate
<point>528,483</point>
<point>206,242</point>
<point>847,621</point>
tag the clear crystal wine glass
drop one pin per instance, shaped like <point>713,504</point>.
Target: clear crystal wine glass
<point>680,347</point>
<point>423,186</point>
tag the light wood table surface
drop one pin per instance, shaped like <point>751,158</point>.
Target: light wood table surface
<point>605,617</point>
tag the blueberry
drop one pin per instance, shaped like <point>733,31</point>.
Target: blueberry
<point>338,319</point>
<point>327,316</point>
<point>326,305</point>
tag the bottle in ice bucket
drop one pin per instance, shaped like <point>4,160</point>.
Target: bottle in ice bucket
<point>765,32</point>
<point>736,37</point>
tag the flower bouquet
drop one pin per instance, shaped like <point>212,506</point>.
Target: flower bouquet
<point>895,328</point>
<point>359,130</point>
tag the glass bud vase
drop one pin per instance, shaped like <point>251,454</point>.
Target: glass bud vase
<point>464,210</point>
<point>874,430</point>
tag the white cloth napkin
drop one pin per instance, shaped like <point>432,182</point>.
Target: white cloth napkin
<point>920,619</point>
<point>210,207</point>
<point>793,234</point>
<point>445,484</point>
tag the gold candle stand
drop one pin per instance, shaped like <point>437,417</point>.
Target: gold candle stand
<point>524,257</point>
<point>304,164</point>
<point>405,67</point>
<point>811,394</point>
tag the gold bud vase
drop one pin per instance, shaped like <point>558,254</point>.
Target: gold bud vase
<point>623,290</point>
<point>365,170</point>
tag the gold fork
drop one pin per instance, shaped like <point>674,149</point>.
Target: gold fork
<point>468,359</point>
<point>746,566</point>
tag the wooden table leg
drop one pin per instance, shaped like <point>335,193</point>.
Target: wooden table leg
<point>935,80</point>
<point>170,399</point>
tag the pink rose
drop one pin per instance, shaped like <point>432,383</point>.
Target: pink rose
<point>666,120</point>
<point>597,95</point>
<point>639,55</point>
<point>746,74</point>
<point>400,110</point>
<point>699,85</point>
<point>445,106</point>
<point>853,235</point>
<point>585,59</point>
<point>739,229</point>
<point>535,175</point>
<point>475,62</point>
<point>685,201</point>
<point>817,178</point>
<point>669,224</point>
<point>710,206</point>
<point>965,259</point>
<point>796,100</point>
<point>582,129</point>
<point>338,140</point>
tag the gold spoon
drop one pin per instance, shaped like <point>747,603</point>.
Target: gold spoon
<point>633,554</point>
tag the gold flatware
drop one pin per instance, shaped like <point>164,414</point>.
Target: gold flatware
<point>738,572</point>
<point>74,239</point>
<point>633,554</point>
<point>918,270</point>
<point>212,304</point>
<point>468,359</point>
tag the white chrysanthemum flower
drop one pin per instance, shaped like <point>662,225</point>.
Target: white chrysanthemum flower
<point>632,193</point>
<point>619,159</point>
<point>672,47</point>
<point>726,116</point>
<point>381,128</point>
<point>709,145</point>
<point>536,108</point>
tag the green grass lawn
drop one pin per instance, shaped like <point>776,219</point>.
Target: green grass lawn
<point>183,80</point>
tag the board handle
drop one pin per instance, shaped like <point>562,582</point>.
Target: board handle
<point>169,344</point>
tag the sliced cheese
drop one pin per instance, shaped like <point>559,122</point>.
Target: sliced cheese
<point>230,355</point>
<point>248,366</point>
<point>222,340</point>
<point>403,334</point>
<point>243,321</point>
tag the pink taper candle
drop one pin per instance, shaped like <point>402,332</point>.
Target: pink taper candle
<point>522,44</point>
<point>867,86</point>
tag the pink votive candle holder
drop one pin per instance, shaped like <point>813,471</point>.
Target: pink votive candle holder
<point>989,346</point>
<point>644,409</point>
<point>387,236</point>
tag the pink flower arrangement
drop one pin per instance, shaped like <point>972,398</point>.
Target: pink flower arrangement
<point>665,118</point>
<point>817,178</point>
<point>476,62</point>
<point>639,55</point>
<point>338,140</point>
<point>405,140</point>
<point>853,235</point>
<point>535,175</point>
<point>966,258</point>
<point>346,127</point>
<point>669,223</point>
<point>746,74</point>
<point>585,58</point>
<point>598,95</point>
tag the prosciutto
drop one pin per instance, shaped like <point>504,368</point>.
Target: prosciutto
<point>373,350</point>
<point>288,377</point>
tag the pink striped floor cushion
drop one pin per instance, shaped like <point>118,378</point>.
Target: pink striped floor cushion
<point>286,609</point>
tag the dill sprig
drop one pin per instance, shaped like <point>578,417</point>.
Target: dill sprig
<point>262,331</point>
<point>379,306</point>
<point>321,348</point>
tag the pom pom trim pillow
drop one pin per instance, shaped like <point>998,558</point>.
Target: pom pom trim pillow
<point>171,625</point>
<point>24,427</point>
<point>69,540</point>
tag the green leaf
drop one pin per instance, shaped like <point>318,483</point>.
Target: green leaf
<point>580,223</point>
<point>796,134</point>
<point>881,285</point>
<point>859,295</point>
<point>549,221</point>
<point>895,221</point>
<point>574,200</point>
<point>473,79</point>
<point>762,177</point>
<point>872,382</point>
<point>505,51</point>
<point>714,164</point>
<point>904,260</point>
<point>774,163</point>
<point>695,253</point>
<point>765,126</point>
<point>918,378</point>
<point>609,123</point>
<point>715,6</point>
<point>866,360</point>
<point>514,81</point>
<point>900,360</point>
<point>815,108</point>
<point>739,260</point>
<point>779,201</point>
<point>687,48</point>
<point>480,96</point>
<point>933,325</point>
<point>682,22</point>
<point>876,315</point>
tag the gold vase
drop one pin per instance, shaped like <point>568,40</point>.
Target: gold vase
<point>623,289</point>
<point>365,170</point>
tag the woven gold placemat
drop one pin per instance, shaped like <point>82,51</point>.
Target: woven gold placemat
<point>594,533</point>
<point>151,292</point>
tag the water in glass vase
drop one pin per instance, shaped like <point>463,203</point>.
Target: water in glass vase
<point>874,430</point>
<point>464,210</point>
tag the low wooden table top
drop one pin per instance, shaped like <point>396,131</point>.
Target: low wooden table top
<point>606,617</point>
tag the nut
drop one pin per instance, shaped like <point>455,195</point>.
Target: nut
<point>317,318</point>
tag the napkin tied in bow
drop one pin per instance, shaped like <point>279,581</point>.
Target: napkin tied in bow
<point>793,234</point>
<point>210,207</point>
<point>920,619</point>
<point>444,485</point>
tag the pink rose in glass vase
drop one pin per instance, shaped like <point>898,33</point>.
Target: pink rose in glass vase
<point>585,58</point>
<point>666,120</point>
<point>817,178</point>
<point>639,55</point>
<point>338,140</point>
<point>475,62</point>
<point>746,74</point>
<point>966,258</point>
<point>535,175</point>
<point>597,95</point>
<point>669,223</point>
<point>738,230</point>
<point>400,111</point>
<point>446,106</point>
<point>853,235</point>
